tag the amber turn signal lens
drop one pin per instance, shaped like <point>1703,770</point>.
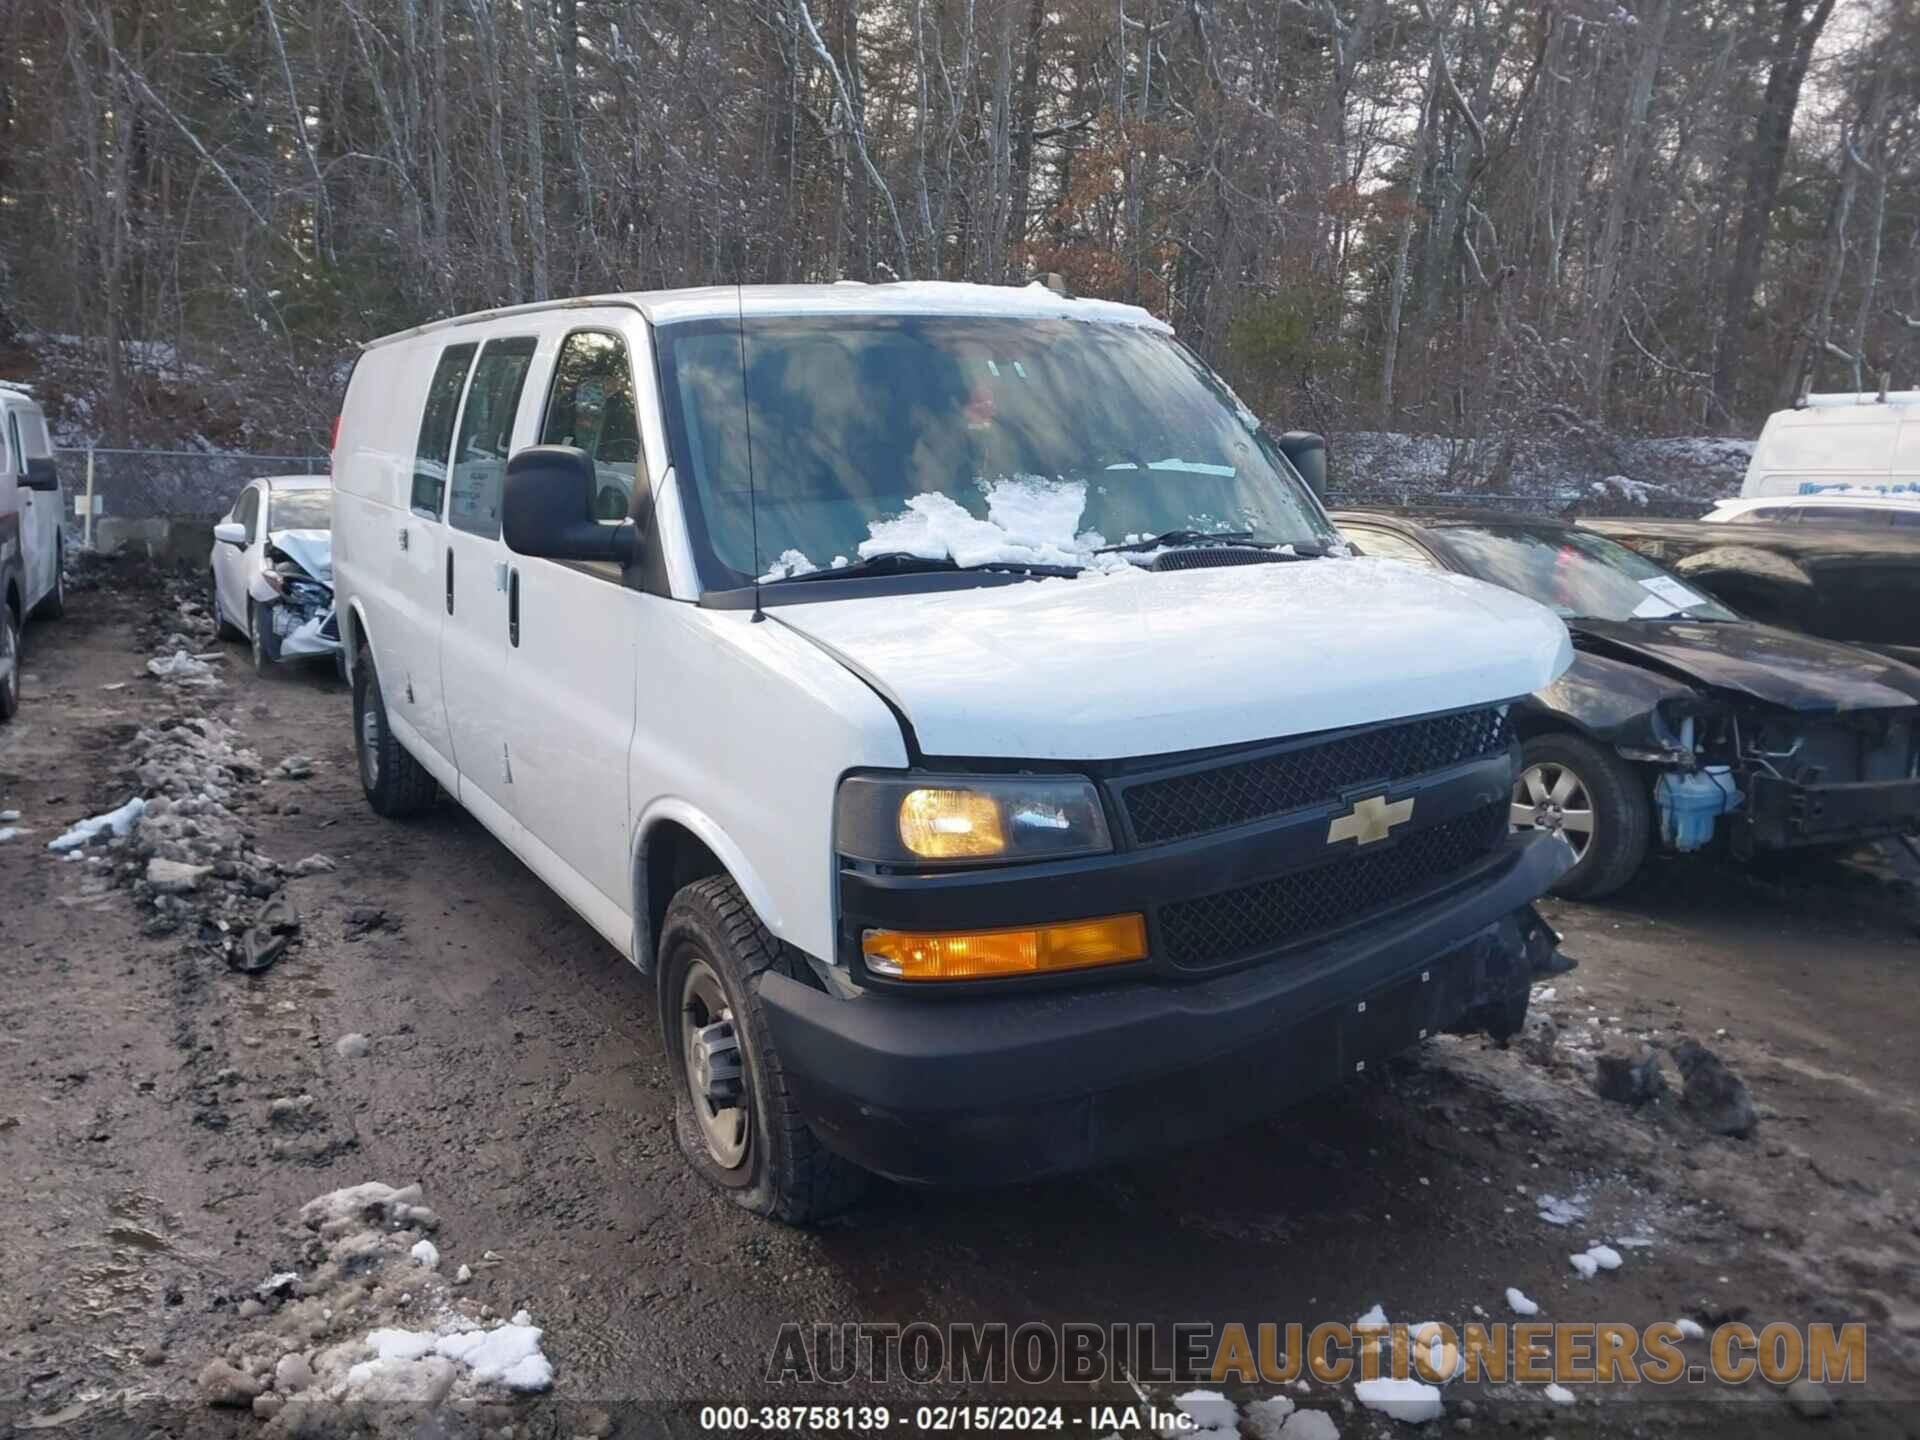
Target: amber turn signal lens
<point>985,954</point>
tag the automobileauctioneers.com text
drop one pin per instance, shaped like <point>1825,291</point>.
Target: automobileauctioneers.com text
<point>1523,1352</point>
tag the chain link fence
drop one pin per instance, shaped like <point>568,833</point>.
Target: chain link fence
<point>126,494</point>
<point>116,496</point>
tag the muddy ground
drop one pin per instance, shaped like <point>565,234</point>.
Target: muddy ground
<point>513,1071</point>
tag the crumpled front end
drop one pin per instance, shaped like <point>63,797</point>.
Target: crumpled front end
<point>295,592</point>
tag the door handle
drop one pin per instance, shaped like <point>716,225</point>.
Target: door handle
<point>449,579</point>
<point>513,609</point>
<point>403,537</point>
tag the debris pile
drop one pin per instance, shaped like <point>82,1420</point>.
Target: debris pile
<point>366,1334</point>
<point>198,857</point>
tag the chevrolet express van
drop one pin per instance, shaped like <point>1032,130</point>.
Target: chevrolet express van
<point>954,699</point>
<point>1848,459</point>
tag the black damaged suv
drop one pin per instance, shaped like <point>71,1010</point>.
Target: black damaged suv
<point>1679,723</point>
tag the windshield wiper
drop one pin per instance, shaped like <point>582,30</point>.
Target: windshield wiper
<point>903,562</point>
<point>1183,537</point>
<point>1296,550</point>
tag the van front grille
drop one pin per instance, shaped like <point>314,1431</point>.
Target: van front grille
<point>1210,931</point>
<point>1312,772</point>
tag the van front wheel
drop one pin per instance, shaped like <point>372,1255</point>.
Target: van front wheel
<point>396,784</point>
<point>733,1114</point>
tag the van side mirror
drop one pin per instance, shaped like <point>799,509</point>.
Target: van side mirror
<point>1308,454</point>
<point>231,532</point>
<point>41,474</point>
<point>549,507</point>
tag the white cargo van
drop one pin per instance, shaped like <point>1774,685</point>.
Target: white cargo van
<point>32,547</point>
<point>954,699</point>
<point>1849,459</point>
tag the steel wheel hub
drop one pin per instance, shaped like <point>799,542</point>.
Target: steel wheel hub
<point>1550,796</point>
<point>716,1069</point>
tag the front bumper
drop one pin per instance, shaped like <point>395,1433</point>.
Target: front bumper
<point>294,636</point>
<point>1781,814</point>
<point>1013,1084</point>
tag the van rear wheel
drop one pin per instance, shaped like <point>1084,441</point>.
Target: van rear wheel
<point>396,784</point>
<point>733,1113</point>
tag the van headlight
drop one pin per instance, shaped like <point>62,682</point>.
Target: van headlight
<point>922,819</point>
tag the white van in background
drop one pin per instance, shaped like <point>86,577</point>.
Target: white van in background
<point>1835,459</point>
<point>956,700</point>
<point>32,548</point>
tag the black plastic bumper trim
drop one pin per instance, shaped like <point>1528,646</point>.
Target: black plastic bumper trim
<point>1012,1085</point>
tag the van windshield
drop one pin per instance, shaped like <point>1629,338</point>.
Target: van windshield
<point>969,440</point>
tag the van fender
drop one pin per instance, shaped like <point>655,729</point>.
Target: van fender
<point>672,809</point>
<point>353,632</point>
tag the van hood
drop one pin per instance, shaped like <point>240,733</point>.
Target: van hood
<point>1105,667</point>
<point>311,550</point>
<point>1758,662</point>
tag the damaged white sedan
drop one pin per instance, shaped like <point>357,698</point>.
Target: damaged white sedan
<point>272,569</point>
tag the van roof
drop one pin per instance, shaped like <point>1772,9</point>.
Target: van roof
<point>1841,399</point>
<point>297,482</point>
<point>922,297</point>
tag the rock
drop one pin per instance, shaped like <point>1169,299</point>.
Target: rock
<point>175,877</point>
<point>353,1046</point>
<point>266,1406</point>
<point>224,1384</point>
<point>296,767</point>
<point>463,1275</point>
<point>1629,1077</point>
<point>363,920</point>
<point>312,865</point>
<point>292,1374</point>
<point>1810,1399</point>
<point>1714,1095</point>
<point>250,1309</point>
<point>1538,1037</point>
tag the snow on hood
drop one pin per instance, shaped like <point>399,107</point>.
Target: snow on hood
<point>1132,663</point>
<point>311,550</point>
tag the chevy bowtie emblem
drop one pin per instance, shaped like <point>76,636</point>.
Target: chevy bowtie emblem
<point>1372,819</point>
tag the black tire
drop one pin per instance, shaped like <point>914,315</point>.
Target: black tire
<point>9,663</point>
<point>54,603</point>
<point>396,784</point>
<point>1622,817</point>
<point>785,1172</point>
<point>223,628</point>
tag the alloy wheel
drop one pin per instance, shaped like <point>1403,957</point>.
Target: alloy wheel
<point>1551,796</point>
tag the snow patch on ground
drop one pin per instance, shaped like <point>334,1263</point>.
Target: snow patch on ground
<point>1518,1302</point>
<point>119,823</point>
<point>1211,1412</point>
<point>1408,1401</point>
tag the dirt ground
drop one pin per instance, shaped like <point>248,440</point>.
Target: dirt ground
<point>513,1070</point>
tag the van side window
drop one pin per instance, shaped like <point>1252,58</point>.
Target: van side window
<point>436,430</point>
<point>486,435</point>
<point>590,405</point>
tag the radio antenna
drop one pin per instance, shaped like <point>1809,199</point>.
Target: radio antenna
<point>746,408</point>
